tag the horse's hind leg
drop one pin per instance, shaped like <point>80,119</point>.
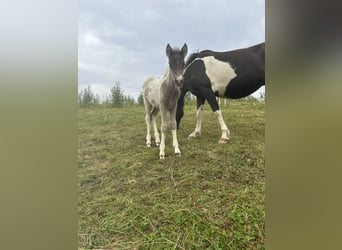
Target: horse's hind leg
<point>155,128</point>
<point>224,129</point>
<point>225,133</point>
<point>148,124</point>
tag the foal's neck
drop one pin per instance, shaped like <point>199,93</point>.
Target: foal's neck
<point>171,79</point>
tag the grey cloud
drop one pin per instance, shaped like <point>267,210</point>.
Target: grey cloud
<point>132,35</point>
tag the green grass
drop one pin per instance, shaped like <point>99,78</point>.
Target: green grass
<point>212,197</point>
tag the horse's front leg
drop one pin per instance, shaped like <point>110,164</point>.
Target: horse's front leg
<point>163,130</point>
<point>199,116</point>
<point>174,131</point>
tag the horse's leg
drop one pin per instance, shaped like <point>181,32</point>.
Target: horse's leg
<point>209,95</point>
<point>148,124</point>
<point>199,116</point>
<point>180,106</point>
<point>163,129</point>
<point>224,129</point>
<point>155,128</point>
<point>174,130</point>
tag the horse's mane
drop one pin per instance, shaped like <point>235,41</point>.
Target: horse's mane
<point>191,58</point>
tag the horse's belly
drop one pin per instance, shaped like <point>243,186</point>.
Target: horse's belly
<point>219,73</point>
<point>153,91</point>
<point>155,100</point>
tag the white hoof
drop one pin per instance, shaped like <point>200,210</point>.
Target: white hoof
<point>223,140</point>
<point>194,135</point>
<point>162,157</point>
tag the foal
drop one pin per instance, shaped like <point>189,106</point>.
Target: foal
<point>170,91</point>
<point>162,94</point>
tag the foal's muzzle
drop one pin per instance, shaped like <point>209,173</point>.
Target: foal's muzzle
<point>179,81</point>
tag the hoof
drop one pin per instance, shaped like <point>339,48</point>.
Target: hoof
<point>223,140</point>
<point>161,157</point>
<point>157,144</point>
<point>148,145</point>
<point>194,135</point>
<point>178,154</point>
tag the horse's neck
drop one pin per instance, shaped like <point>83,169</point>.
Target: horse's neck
<point>169,77</point>
<point>168,88</point>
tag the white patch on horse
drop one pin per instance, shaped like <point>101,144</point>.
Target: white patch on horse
<point>151,88</point>
<point>220,74</point>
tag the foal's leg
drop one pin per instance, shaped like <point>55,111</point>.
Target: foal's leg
<point>225,133</point>
<point>199,116</point>
<point>163,112</point>
<point>155,128</point>
<point>148,124</point>
<point>174,131</point>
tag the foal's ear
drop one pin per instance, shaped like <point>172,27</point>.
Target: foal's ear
<point>184,50</point>
<point>168,50</point>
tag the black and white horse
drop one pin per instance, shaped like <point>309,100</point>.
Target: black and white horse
<point>163,94</point>
<point>231,74</point>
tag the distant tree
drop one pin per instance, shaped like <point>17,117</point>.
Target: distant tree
<point>107,101</point>
<point>117,96</point>
<point>97,99</point>
<point>141,99</point>
<point>188,98</point>
<point>129,101</point>
<point>87,98</point>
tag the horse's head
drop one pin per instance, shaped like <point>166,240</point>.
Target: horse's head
<point>176,62</point>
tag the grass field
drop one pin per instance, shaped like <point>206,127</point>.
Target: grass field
<point>212,197</point>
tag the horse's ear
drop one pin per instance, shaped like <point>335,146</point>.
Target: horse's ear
<point>184,50</point>
<point>168,50</point>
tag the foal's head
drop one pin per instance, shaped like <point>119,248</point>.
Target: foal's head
<point>176,62</point>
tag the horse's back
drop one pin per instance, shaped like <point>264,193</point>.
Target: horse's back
<point>253,55</point>
<point>233,74</point>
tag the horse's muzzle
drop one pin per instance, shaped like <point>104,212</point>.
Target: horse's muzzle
<point>179,81</point>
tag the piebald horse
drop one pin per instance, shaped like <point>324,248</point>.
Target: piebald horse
<point>162,94</point>
<point>231,74</point>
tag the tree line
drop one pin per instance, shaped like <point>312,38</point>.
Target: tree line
<point>116,98</point>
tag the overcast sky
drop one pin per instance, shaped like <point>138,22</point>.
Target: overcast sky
<point>125,40</point>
